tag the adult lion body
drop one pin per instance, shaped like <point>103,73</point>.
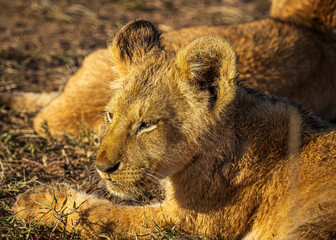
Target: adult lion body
<point>238,164</point>
<point>290,54</point>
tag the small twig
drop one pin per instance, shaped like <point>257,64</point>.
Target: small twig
<point>67,161</point>
<point>31,57</point>
<point>34,162</point>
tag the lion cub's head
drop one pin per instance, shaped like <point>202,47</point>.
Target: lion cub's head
<point>164,105</point>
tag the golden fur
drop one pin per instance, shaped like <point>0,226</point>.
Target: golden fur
<point>291,54</point>
<point>236,164</point>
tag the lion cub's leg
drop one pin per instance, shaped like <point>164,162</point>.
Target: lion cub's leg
<point>87,214</point>
<point>83,99</point>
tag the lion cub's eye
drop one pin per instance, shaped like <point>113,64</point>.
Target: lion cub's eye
<point>109,116</point>
<point>146,127</point>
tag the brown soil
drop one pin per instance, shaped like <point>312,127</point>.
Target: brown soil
<point>43,42</point>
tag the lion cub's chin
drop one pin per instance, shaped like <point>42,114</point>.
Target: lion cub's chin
<point>113,191</point>
<point>133,191</point>
<point>126,193</point>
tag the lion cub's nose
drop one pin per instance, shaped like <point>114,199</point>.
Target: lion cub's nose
<point>107,168</point>
<point>104,165</point>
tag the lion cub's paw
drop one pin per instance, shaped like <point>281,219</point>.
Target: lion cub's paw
<point>43,204</point>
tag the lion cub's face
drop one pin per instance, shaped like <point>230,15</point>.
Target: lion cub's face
<point>162,106</point>
<point>143,131</point>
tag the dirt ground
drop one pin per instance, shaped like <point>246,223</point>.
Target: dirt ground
<point>42,43</point>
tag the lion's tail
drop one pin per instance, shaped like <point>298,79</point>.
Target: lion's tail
<point>319,14</point>
<point>26,101</point>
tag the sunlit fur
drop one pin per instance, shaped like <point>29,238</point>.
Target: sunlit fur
<point>236,163</point>
<point>291,54</point>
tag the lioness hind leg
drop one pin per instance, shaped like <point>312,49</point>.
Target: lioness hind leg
<point>83,99</point>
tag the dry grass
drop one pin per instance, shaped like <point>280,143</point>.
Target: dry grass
<point>28,160</point>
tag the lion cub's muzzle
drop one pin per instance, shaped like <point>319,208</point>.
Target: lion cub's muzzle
<point>106,167</point>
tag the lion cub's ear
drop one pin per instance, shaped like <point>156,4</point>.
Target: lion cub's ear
<point>209,67</point>
<point>132,43</point>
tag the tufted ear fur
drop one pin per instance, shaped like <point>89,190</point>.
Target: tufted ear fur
<point>209,66</point>
<point>132,43</point>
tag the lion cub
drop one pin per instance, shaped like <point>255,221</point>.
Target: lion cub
<point>237,164</point>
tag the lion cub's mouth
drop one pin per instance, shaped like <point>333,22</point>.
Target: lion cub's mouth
<point>132,183</point>
<point>127,182</point>
<point>104,176</point>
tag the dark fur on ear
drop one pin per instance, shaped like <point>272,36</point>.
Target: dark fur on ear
<point>132,43</point>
